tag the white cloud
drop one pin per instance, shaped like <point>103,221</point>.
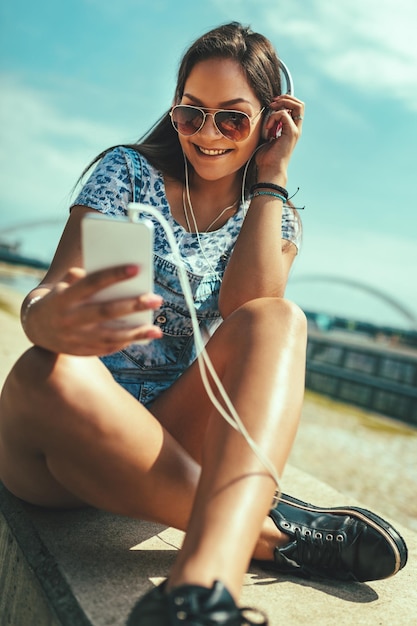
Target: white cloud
<point>371,46</point>
<point>367,45</point>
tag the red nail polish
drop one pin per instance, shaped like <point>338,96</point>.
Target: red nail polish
<point>131,270</point>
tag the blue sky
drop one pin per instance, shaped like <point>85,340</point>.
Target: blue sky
<point>79,76</point>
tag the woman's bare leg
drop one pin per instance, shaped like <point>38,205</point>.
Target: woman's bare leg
<point>265,381</point>
<point>69,434</point>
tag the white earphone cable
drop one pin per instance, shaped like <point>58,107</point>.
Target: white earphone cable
<point>230,415</point>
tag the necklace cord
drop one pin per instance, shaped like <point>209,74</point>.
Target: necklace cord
<point>187,190</point>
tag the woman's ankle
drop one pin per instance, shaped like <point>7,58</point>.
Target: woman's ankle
<point>270,538</point>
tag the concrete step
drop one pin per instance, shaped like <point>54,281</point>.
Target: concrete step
<point>88,568</point>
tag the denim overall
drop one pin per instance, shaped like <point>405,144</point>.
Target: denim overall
<point>147,370</point>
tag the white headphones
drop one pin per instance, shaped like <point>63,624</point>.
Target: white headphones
<point>288,78</point>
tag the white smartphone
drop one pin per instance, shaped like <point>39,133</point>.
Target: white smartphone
<point>108,241</point>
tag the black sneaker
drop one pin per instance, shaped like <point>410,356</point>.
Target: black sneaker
<point>344,543</point>
<point>192,605</point>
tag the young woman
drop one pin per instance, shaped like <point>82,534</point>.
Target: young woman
<point>90,417</point>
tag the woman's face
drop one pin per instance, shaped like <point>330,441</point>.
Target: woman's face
<point>220,84</point>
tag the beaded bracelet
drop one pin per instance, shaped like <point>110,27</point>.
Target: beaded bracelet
<point>278,188</point>
<point>269,193</point>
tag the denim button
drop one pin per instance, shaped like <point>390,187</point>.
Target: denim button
<point>161,319</point>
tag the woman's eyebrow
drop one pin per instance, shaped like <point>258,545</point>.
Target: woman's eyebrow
<point>223,104</point>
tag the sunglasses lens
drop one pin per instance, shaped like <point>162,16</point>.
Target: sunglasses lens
<point>186,120</point>
<point>233,124</point>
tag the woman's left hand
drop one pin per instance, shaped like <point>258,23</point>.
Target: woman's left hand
<point>287,113</point>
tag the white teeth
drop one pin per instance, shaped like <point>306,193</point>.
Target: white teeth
<point>211,152</point>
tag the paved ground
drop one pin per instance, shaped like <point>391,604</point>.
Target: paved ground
<point>363,455</point>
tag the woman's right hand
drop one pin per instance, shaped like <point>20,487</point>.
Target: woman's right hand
<point>65,320</point>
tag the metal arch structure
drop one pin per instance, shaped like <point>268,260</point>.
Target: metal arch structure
<point>369,289</point>
<point>348,282</point>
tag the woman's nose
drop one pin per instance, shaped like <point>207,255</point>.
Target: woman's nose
<point>209,127</point>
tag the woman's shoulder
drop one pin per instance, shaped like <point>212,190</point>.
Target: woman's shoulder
<point>125,162</point>
<point>125,155</point>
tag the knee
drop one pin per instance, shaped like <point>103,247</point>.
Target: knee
<point>40,375</point>
<point>275,316</point>
<point>26,372</point>
<point>22,388</point>
<point>295,318</point>
<point>286,312</point>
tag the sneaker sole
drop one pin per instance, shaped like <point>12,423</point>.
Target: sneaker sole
<point>389,533</point>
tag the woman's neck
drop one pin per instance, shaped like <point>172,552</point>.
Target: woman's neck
<point>212,196</point>
<point>208,205</point>
<point>212,202</point>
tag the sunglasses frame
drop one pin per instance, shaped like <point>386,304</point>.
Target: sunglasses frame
<point>206,111</point>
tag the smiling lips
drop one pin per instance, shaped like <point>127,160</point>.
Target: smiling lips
<point>211,152</point>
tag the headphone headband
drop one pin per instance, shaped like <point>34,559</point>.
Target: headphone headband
<point>288,78</point>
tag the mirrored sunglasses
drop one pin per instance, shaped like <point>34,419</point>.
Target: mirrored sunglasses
<point>234,125</point>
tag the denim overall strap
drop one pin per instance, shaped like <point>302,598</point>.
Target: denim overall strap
<point>138,175</point>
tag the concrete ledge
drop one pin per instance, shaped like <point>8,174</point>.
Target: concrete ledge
<point>88,568</point>
<point>34,590</point>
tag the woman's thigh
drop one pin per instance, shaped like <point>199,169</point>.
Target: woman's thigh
<point>67,414</point>
<point>39,404</point>
<point>245,351</point>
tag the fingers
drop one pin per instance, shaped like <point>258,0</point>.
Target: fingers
<point>289,108</point>
<point>85,286</point>
<point>98,312</point>
<point>78,291</point>
<point>287,102</point>
<point>82,323</point>
<point>73,275</point>
<point>286,117</point>
<point>99,341</point>
<point>87,329</point>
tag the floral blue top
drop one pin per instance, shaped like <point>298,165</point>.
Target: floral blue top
<point>123,176</point>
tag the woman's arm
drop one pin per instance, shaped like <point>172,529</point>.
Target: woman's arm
<point>59,316</point>
<point>262,259</point>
